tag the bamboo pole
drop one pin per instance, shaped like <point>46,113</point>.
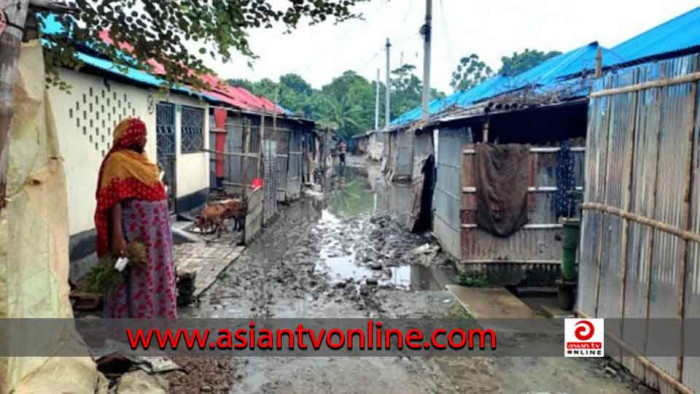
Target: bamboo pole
<point>235,154</point>
<point>692,77</point>
<point>651,235</point>
<point>683,234</point>
<point>663,375</point>
<point>604,166</point>
<point>686,216</point>
<point>625,223</point>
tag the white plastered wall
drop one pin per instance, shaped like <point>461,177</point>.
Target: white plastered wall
<point>85,119</point>
<point>192,169</point>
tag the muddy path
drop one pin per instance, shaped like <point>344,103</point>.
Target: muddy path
<point>338,257</point>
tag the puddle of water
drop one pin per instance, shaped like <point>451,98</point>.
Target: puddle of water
<point>406,277</point>
<point>352,197</point>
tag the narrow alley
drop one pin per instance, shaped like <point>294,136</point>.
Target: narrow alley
<point>344,256</point>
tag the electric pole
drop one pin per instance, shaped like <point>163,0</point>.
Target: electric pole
<point>426,32</point>
<point>388,85</point>
<point>376,104</point>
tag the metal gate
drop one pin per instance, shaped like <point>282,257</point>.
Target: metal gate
<point>234,144</point>
<point>165,146</point>
<point>281,137</point>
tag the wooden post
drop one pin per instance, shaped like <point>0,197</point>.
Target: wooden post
<point>599,63</point>
<point>10,46</point>
<point>262,138</point>
<point>485,131</point>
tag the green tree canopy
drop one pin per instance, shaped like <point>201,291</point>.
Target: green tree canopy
<point>347,103</point>
<point>470,72</point>
<point>162,31</point>
<point>519,62</point>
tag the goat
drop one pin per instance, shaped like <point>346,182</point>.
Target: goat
<point>211,217</point>
<point>236,209</point>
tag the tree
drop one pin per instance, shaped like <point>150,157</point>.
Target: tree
<point>295,83</point>
<point>161,31</point>
<point>470,72</point>
<point>406,90</point>
<point>519,62</point>
<point>347,102</point>
<point>150,32</point>
<point>244,83</point>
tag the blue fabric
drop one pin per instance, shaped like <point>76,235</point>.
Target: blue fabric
<point>679,33</point>
<point>564,203</point>
<point>551,74</point>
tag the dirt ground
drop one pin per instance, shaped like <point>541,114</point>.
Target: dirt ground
<point>340,257</point>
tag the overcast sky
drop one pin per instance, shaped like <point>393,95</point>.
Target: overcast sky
<point>490,29</point>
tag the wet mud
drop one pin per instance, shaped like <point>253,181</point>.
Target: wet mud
<point>346,255</point>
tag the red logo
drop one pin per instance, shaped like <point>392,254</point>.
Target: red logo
<point>584,337</point>
<point>584,330</point>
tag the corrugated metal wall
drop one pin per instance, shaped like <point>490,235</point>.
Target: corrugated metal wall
<point>404,154</point>
<point>538,242</point>
<point>643,159</point>
<point>296,155</point>
<point>281,137</point>
<point>447,195</point>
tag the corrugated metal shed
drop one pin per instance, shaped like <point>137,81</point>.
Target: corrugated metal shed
<point>547,75</point>
<point>678,34</point>
<point>462,98</point>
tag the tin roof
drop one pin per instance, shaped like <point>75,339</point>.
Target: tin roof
<point>548,75</point>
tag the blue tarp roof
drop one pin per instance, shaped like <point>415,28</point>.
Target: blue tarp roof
<point>682,32</point>
<point>549,73</point>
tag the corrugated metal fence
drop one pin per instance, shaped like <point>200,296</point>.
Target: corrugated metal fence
<point>640,256</point>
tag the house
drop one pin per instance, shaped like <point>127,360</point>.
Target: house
<point>545,108</point>
<point>186,137</point>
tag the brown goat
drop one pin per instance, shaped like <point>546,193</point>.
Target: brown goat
<point>211,217</point>
<point>236,210</point>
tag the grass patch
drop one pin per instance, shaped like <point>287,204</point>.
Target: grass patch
<point>472,280</point>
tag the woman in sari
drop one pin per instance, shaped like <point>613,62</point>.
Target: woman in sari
<point>132,206</point>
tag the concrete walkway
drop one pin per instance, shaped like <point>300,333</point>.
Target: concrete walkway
<point>490,302</point>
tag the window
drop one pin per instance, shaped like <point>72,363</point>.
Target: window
<point>192,129</point>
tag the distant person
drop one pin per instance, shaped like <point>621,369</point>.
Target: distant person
<point>342,149</point>
<point>132,205</point>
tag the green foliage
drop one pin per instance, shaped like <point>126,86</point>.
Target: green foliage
<point>162,31</point>
<point>470,72</point>
<point>519,62</point>
<point>347,103</point>
<point>472,280</point>
<point>104,279</point>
